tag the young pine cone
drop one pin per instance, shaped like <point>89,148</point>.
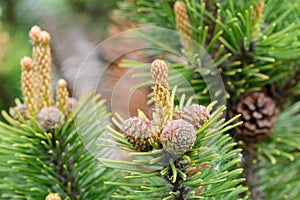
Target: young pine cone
<point>259,114</point>
<point>50,117</point>
<point>177,137</point>
<point>194,114</point>
<point>21,108</point>
<point>137,131</point>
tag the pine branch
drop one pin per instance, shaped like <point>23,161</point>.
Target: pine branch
<point>246,63</point>
<point>281,150</point>
<point>251,175</point>
<point>257,48</point>
<point>47,149</point>
<point>59,162</point>
<point>205,169</point>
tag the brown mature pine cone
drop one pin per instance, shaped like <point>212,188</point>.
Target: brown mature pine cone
<point>259,114</point>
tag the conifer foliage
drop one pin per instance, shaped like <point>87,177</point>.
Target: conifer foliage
<point>188,155</point>
<point>255,46</point>
<point>190,147</point>
<point>42,155</point>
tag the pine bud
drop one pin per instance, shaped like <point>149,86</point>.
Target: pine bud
<point>49,118</point>
<point>44,37</point>
<point>182,21</point>
<point>27,83</point>
<point>62,96</point>
<point>42,62</point>
<point>161,97</point>
<point>159,71</point>
<point>256,19</point>
<point>177,137</point>
<point>34,33</point>
<point>194,114</point>
<point>52,196</point>
<point>137,131</point>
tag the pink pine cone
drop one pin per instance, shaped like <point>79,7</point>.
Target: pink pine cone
<point>177,137</point>
<point>194,114</point>
<point>21,108</point>
<point>137,132</point>
<point>49,118</point>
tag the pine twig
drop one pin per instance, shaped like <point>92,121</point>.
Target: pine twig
<point>251,172</point>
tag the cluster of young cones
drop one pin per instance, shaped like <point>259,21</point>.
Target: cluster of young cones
<point>175,130</point>
<point>39,103</point>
